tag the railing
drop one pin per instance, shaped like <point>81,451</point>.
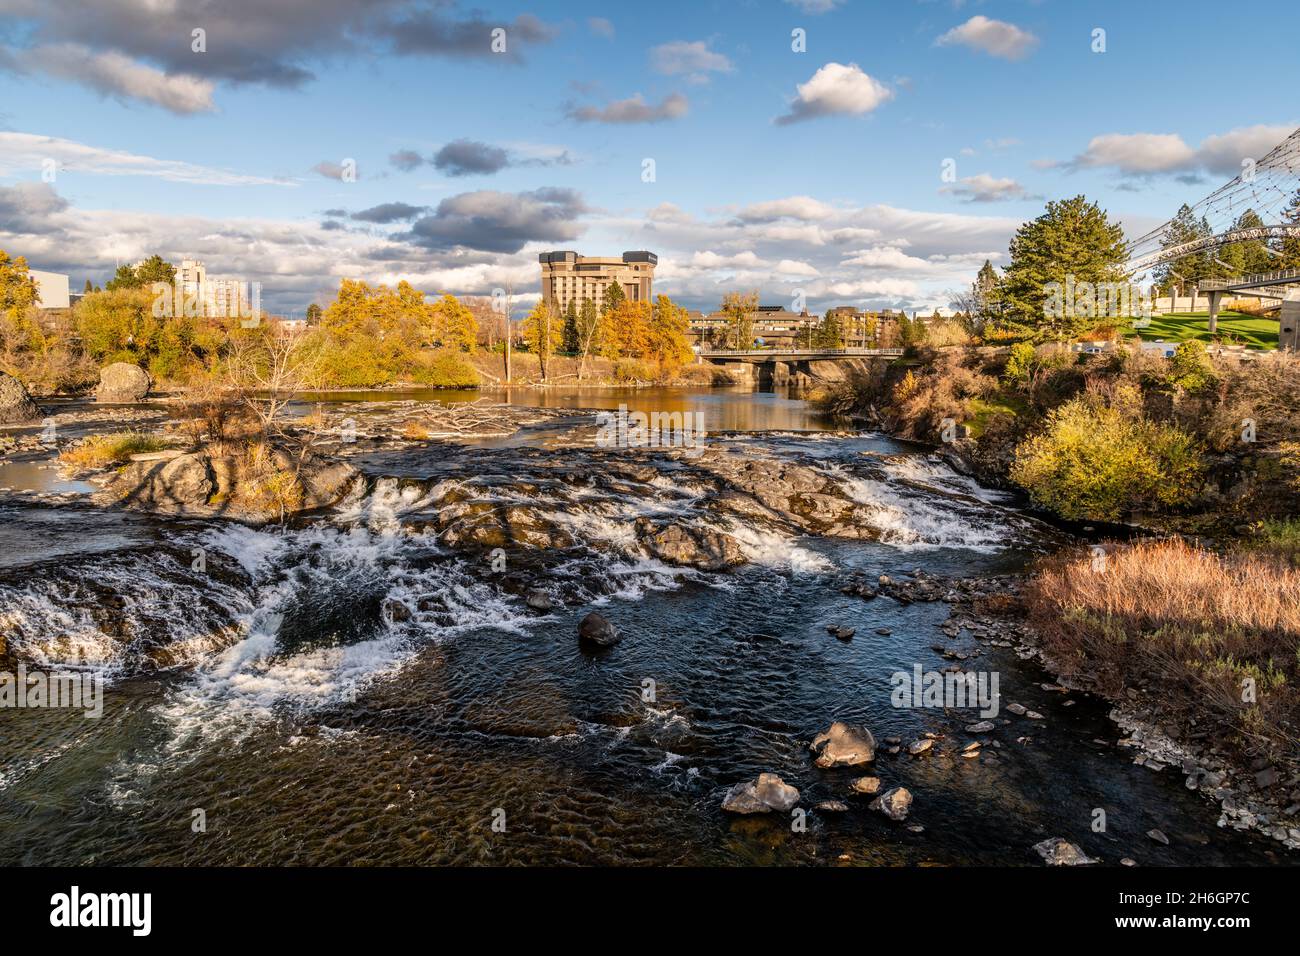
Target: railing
<point>1262,278</point>
<point>747,353</point>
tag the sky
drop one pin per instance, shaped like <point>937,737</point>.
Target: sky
<point>822,152</point>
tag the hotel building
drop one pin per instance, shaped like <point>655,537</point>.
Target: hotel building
<point>568,277</point>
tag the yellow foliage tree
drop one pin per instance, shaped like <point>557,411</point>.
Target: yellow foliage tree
<point>668,344</point>
<point>543,332</point>
<point>454,324</point>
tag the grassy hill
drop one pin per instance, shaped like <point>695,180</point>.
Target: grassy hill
<point>1234,329</point>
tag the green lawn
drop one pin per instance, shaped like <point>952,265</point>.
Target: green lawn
<point>1234,329</point>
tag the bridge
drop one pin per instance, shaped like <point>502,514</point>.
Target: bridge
<point>798,368</point>
<point>1266,187</point>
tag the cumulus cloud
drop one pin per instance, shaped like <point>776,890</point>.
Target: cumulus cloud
<point>25,153</point>
<point>791,207</point>
<point>690,57</point>
<point>994,37</point>
<point>389,212</point>
<point>493,221</point>
<point>986,188</point>
<point>634,109</point>
<point>116,75</point>
<point>1148,154</point>
<point>836,89</point>
<point>466,157</point>
<point>141,49</point>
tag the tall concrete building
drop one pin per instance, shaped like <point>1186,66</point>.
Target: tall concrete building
<point>568,277</point>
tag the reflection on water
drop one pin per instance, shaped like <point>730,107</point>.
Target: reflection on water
<point>39,477</point>
<point>724,409</point>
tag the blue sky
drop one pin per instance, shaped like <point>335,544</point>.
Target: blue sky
<point>815,172</point>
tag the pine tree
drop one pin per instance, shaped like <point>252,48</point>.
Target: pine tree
<point>613,298</point>
<point>572,344</point>
<point>1289,248</point>
<point>1073,239</point>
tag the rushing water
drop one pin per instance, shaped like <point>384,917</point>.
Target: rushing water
<point>350,690</point>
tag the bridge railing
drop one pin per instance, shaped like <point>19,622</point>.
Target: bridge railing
<point>1260,278</point>
<point>747,353</point>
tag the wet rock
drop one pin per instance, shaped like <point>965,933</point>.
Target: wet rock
<point>1017,709</point>
<point>1158,836</point>
<point>539,600</point>
<point>982,727</point>
<point>764,794</point>
<point>1056,851</point>
<point>595,629</point>
<point>396,611</point>
<point>16,406</point>
<point>1128,861</point>
<point>696,547</point>
<point>832,806</point>
<point>918,747</point>
<point>894,803</point>
<point>843,633</point>
<point>122,382</point>
<point>844,745</point>
<point>867,785</point>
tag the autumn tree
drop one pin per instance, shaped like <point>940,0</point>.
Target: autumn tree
<point>739,308</point>
<point>454,325</point>
<point>543,334</point>
<point>667,339</point>
<point>588,333</point>
<point>571,342</point>
<point>142,276</point>
<point>625,330</point>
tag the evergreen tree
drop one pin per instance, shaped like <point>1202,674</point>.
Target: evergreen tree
<point>1073,239</point>
<point>1185,271</point>
<point>572,342</point>
<point>1289,248</point>
<point>614,297</point>
<point>151,270</point>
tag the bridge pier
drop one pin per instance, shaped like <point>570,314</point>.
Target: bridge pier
<point>1215,299</point>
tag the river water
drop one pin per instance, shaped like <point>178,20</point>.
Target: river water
<point>348,689</point>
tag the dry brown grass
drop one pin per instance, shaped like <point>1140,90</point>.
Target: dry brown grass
<point>1191,630</point>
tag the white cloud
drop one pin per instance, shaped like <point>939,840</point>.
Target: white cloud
<point>792,207</point>
<point>885,257</point>
<point>22,153</point>
<point>117,75</point>
<point>986,188</point>
<point>815,7</point>
<point>1145,154</point>
<point>693,58</point>
<point>837,89</point>
<point>634,109</point>
<point>994,37</point>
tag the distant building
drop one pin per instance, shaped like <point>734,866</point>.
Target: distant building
<point>774,325</point>
<point>215,297</point>
<point>51,290</point>
<point>568,277</point>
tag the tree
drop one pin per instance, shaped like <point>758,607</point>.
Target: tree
<point>572,343</point>
<point>314,313</point>
<point>151,270</point>
<point>1289,247</point>
<point>542,333</point>
<point>829,333</point>
<point>739,308</point>
<point>668,336</point>
<point>625,331</point>
<point>1187,270</point>
<point>588,331</point>
<point>18,290</point>
<point>454,325</point>
<point>1072,240</point>
<point>1249,257</point>
<point>614,296</point>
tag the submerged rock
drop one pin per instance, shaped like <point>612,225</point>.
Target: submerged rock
<point>16,406</point>
<point>764,794</point>
<point>844,745</point>
<point>894,803</point>
<point>696,547</point>
<point>832,806</point>
<point>539,600</point>
<point>1058,852</point>
<point>596,629</point>
<point>867,785</point>
<point>122,382</point>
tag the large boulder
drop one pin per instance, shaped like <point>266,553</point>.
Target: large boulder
<point>764,794</point>
<point>697,547</point>
<point>122,382</point>
<point>16,406</point>
<point>844,745</point>
<point>595,629</point>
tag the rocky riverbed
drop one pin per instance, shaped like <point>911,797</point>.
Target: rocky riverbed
<point>632,654</point>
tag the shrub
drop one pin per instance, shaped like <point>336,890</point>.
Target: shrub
<point>1096,463</point>
<point>1187,626</point>
<point>1190,367</point>
<point>446,369</point>
<point>99,451</point>
<point>1020,363</point>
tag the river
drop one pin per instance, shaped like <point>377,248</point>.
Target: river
<point>349,689</point>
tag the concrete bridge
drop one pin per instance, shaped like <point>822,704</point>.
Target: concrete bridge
<point>777,368</point>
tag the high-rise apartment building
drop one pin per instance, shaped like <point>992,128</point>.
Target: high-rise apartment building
<point>568,277</point>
